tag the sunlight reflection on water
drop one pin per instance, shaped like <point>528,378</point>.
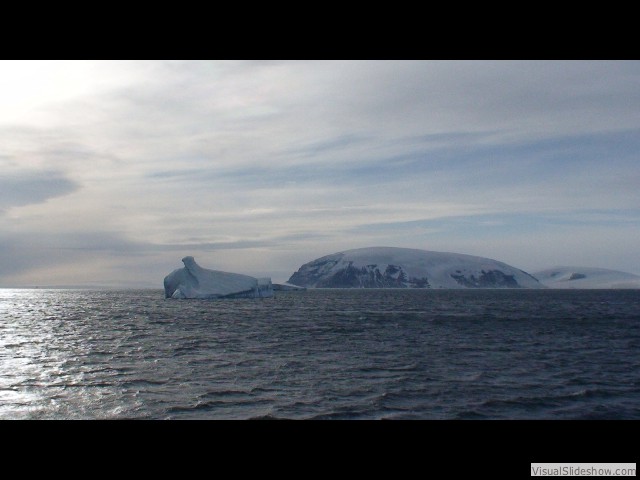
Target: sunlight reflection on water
<point>43,347</point>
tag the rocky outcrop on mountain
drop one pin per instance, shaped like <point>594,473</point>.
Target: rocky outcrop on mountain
<point>391,267</point>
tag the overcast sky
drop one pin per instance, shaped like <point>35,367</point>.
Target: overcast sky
<point>113,171</point>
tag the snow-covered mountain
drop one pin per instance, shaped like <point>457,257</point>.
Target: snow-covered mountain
<point>586,277</point>
<point>391,267</point>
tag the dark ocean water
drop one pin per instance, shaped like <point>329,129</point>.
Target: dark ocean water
<point>321,354</point>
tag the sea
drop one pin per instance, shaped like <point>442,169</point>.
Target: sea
<point>321,354</point>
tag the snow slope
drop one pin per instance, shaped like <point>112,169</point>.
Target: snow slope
<point>391,267</point>
<point>586,277</point>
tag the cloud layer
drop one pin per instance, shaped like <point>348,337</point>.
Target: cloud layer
<point>257,167</point>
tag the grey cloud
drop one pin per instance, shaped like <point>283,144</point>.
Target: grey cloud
<point>29,187</point>
<point>319,147</point>
<point>511,96</point>
<point>233,112</point>
<point>392,92</point>
<point>25,251</point>
<point>96,243</point>
<point>24,254</point>
<point>211,246</point>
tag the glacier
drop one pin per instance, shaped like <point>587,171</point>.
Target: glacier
<point>393,267</point>
<point>193,281</point>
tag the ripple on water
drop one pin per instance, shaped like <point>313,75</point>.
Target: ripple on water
<point>318,354</point>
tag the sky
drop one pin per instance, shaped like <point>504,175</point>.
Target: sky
<point>112,171</point>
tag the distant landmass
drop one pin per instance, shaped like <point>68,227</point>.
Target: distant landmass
<point>586,277</point>
<point>392,267</point>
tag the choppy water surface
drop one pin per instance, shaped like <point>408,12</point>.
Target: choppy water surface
<point>344,354</point>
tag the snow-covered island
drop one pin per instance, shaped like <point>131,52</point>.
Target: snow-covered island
<point>193,281</point>
<point>586,277</point>
<point>392,267</point>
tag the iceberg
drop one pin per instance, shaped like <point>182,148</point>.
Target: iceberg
<point>193,281</point>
